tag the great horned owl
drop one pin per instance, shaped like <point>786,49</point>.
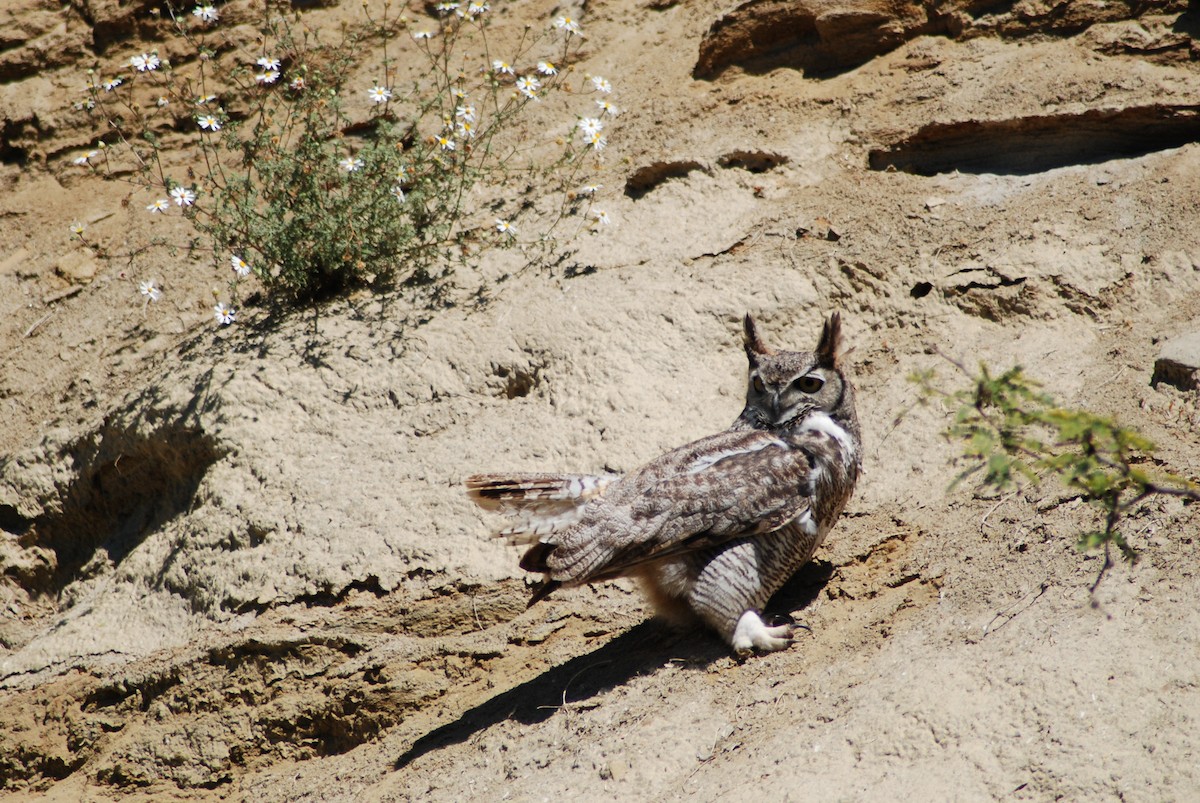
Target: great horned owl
<point>714,528</point>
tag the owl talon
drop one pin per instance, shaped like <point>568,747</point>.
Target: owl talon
<point>752,634</point>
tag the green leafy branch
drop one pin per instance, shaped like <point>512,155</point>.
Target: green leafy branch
<point>1013,432</point>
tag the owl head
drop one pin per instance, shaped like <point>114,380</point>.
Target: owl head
<point>784,387</point>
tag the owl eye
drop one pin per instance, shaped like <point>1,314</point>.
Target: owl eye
<point>759,387</point>
<point>810,383</point>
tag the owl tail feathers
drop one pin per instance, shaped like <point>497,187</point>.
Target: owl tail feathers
<point>500,491</point>
<point>537,504</point>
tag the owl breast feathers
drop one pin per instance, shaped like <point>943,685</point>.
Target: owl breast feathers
<point>714,528</point>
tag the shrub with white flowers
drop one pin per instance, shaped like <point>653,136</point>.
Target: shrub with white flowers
<point>311,184</point>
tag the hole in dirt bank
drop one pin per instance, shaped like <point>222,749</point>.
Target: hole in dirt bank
<point>647,178</point>
<point>13,522</point>
<point>753,161</point>
<point>124,487</point>
<point>518,381</point>
<point>1024,145</point>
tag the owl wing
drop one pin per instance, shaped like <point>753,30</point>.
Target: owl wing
<point>730,485</point>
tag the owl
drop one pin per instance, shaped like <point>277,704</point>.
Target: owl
<point>712,529</point>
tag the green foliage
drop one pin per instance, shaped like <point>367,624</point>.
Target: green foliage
<point>314,198</point>
<point>1011,431</point>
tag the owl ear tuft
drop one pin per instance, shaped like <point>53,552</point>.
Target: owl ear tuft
<point>755,347</point>
<point>830,342</point>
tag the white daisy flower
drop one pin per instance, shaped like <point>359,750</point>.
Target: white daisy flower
<point>446,8</point>
<point>502,67</point>
<point>269,64</point>
<point>464,130</point>
<point>528,86</point>
<point>268,77</point>
<point>590,189</point>
<point>239,265</point>
<point>607,108</point>
<point>351,164</point>
<point>601,217</point>
<point>296,84</point>
<point>203,99</point>
<point>150,291</point>
<point>78,228</point>
<point>459,93</point>
<point>161,205</point>
<point>477,8</point>
<point>445,143</point>
<point>397,192</point>
<point>112,84</point>
<point>601,84</point>
<point>208,122</point>
<point>466,112</point>
<point>225,315</point>
<point>163,100</point>
<point>547,68</point>
<point>590,126</point>
<point>182,196</point>
<point>419,35</point>
<point>207,14</point>
<point>146,62</point>
<point>379,94</point>
<point>598,141</point>
<point>504,227</point>
<point>83,159</point>
<point>567,24</point>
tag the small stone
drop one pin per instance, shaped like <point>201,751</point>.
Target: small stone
<point>77,266</point>
<point>15,262</point>
<point>1178,362</point>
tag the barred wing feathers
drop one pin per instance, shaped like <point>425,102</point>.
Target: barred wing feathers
<point>730,485</point>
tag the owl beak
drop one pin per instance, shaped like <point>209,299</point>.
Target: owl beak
<point>775,406</point>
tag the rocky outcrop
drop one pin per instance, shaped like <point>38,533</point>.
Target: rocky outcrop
<point>830,36</point>
<point>1178,362</point>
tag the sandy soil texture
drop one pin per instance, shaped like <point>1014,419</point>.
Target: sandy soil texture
<point>237,562</point>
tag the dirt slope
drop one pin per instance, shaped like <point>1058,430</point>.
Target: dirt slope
<point>238,563</point>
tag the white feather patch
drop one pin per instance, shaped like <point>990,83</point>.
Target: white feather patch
<point>807,522</point>
<point>821,422</point>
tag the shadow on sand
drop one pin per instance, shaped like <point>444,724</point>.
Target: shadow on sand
<point>639,651</point>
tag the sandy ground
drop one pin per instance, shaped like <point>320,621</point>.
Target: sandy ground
<point>238,562</point>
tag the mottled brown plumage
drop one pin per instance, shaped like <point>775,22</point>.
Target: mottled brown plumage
<point>711,529</point>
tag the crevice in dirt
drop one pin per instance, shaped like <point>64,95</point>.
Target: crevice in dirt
<point>125,485</point>
<point>752,161</point>
<point>519,381</point>
<point>1025,145</point>
<point>646,178</point>
<point>516,380</point>
<point>449,612</point>
<point>921,289</point>
<point>13,522</point>
<point>326,598</point>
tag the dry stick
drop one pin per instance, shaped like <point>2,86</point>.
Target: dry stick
<point>39,322</point>
<point>995,507</point>
<point>1041,590</point>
